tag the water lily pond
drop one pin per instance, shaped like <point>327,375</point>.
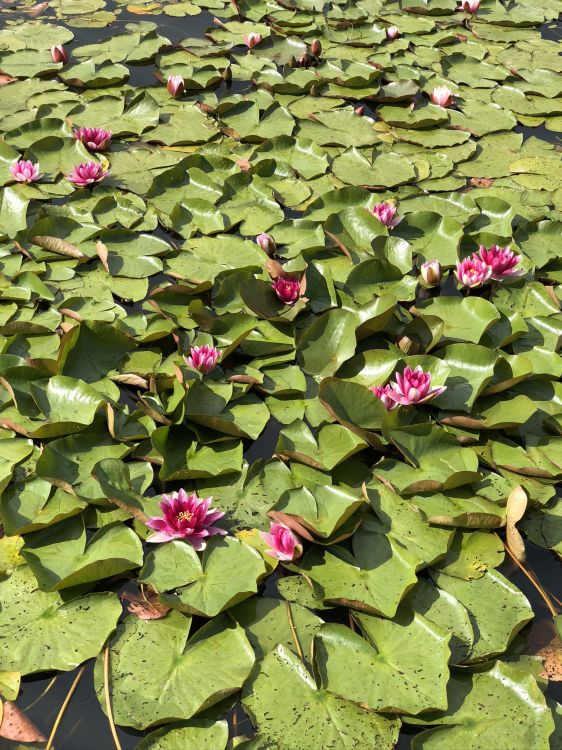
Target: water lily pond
<point>280,398</point>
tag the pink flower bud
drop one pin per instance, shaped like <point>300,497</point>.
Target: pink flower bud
<point>502,260</point>
<point>386,214</point>
<point>472,272</point>
<point>360,110</point>
<point>95,139</point>
<point>267,243</point>
<point>59,54</point>
<point>469,6</point>
<point>24,171</point>
<point>252,39</point>
<point>203,358</point>
<point>283,543</point>
<point>392,32</point>
<point>287,289</point>
<point>442,96</point>
<point>87,173</point>
<point>431,272</point>
<point>413,387</point>
<point>316,47</point>
<point>382,392</point>
<point>175,85</point>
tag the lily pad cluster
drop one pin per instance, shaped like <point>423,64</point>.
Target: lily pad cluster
<point>206,297</point>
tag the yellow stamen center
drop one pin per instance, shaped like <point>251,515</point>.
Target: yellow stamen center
<point>185,515</point>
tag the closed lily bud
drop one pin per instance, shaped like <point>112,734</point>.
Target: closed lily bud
<point>360,110</point>
<point>431,272</point>
<point>316,47</point>
<point>252,39</point>
<point>267,243</point>
<point>392,32</point>
<point>59,54</point>
<point>176,85</point>
<point>469,6</point>
<point>442,96</point>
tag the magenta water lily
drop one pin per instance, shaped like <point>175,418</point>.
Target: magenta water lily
<point>24,171</point>
<point>472,272</point>
<point>287,289</point>
<point>386,213</point>
<point>382,392</point>
<point>203,358</point>
<point>87,173</point>
<point>95,139</point>
<point>185,517</point>
<point>283,543</point>
<point>412,386</point>
<point>502,261</point>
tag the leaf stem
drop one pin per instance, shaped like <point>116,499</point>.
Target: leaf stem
<point>293,631</point>
<point>64,707</point>
<point>531,576</point>
<point>108,697</point>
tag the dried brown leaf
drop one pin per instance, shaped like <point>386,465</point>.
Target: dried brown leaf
<point>145,606</point>
<point>17,727</point>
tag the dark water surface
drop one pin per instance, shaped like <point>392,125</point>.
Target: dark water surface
<point>84,726</point>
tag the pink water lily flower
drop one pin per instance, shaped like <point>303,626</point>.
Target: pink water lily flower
<point>386,214</point>
<point>287,289</point>
<point>59,54</point>
<point>175,85</point>
<point>24,171</point>
<point>87,173</point>
<point>95,139</point>
<point>283,543</point>
<point>431,272</point>
<point>267,243</point>
<point>502,261</point>
<point>185,517</point>
<point>472,272</point>
<point>413,387</point>
<point>392,32</point>
<point>469,6</point>
<point>442,96</point>
<point>203,358</point>
<point>252,39</point>
<point>382,392</point>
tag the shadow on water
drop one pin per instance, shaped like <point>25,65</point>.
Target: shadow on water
<point>84,726</point>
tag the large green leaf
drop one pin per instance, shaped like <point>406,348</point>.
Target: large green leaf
<point>159,674</point>
<point>41,632</point>
<point>301,715</point>
<point>61,557</point>
<point>503,706</point>
<point>211,589</point>
<point>382,671</point>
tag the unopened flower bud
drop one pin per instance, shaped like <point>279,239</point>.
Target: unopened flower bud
<point>431,272</point>
<point>316,47</point>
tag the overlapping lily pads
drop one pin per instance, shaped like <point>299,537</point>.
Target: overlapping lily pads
<point>396,611</point>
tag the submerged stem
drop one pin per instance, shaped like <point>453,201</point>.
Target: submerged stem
<point>64,707</point>
<point>531,576</point>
